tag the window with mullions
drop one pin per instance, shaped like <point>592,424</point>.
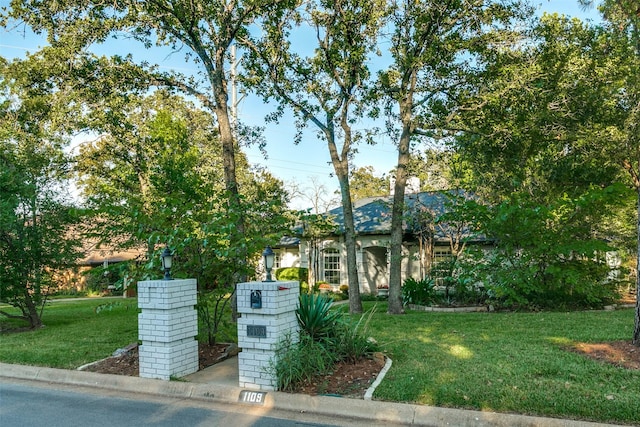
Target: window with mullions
<point>277,260</point>
<point>332,266</point>
<point>441,265</point>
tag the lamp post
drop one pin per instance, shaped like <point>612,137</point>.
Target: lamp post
<point>167,260</point>
<point>269,257</point>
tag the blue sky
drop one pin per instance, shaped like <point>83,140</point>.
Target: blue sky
<point>297,164</point>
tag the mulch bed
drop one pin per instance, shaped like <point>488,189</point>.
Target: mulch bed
<point>127,363</point>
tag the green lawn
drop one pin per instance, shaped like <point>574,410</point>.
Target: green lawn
<point>505,362</point>
<point>75,333</point>
<point>508,362</point>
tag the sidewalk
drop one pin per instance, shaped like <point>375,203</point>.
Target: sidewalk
<point>219,383</point>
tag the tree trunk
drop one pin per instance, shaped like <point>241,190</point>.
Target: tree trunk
<point>32,311</point>
<point>355,305</point>
<point>397,218</point>
<point>636,329</point>
<point>234,206</point>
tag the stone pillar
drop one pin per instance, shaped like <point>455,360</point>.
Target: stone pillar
<point>261,328</point>
<point>167,327</point>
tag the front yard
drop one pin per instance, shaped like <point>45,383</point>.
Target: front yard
<point>505,362</point>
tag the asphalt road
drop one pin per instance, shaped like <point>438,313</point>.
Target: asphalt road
<point>25,404</point>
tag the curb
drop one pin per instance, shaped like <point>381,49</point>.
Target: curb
<point>368,395</point>
<point>355,409</point>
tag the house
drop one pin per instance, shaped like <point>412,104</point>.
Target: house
<point>425,243</point>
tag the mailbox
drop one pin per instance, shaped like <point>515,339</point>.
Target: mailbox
<point>256,299</point>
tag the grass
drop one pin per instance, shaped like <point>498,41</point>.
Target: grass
<point>504,362</point>
<point>509,362</point>
<point>75,333</point>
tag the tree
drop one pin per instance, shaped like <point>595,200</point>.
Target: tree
<point>624,26</point>
<point>37,219</point>
<point>146,170</point>
<point>438,169</point>
<point>325,88</point>
<point>363,184</point>
<point>559,116</point>
<point>155,177</point>
<point>159,180</point>
<point>204,30</point>
<point>319,197</point>
<point>434,46</point>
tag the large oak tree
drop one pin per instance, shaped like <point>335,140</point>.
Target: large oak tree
<point>325,87</point>
<point>434,46</point>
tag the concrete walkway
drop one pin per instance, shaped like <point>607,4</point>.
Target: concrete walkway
<point>219,383</point>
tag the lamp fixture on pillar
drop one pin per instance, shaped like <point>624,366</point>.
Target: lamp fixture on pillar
<point>167,260</point>
<point>269,257</point>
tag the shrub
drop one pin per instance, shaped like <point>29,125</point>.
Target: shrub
<point>296,362</point>
<point>547,254</point>
<point>298,274</point>
<point>304,288</point>
<point>351,341</point>
<point>213,312</point>
<point>292,273</point>
<point>344,289</point>
<point>419,291</point>
<point>314,315</point>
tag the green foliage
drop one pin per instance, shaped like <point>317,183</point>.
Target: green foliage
<point>298,361</point>
<point>364,183</point>
<point>168,190</point>
<point>421,292</point>
<point>212,307</point>
<point>546,255</point>
<point>351,341</point>
<point>315,316</point>
<point>292,273</point>
<point>38,221</point>
<point>299,274</point>
<point>312,355</point>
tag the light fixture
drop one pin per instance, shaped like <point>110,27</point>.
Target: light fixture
<point>269,257</point>
<point>167,260</point>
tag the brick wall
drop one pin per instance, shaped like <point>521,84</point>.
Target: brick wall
<point>167,327</point>
<point>276,317</point>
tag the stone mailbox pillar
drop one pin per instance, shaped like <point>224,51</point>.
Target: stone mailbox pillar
<point>167,327</point>
<point>267,315</point>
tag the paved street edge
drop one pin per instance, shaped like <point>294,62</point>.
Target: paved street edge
<point>401,413</point>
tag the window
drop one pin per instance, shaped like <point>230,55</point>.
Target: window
<point>442,259</point>
<point>332,266</point>
<point>277,260</point>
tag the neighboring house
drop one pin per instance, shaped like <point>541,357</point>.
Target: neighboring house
<point>102,256</point>
<point>327,255</point>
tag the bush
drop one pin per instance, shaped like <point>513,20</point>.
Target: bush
<point>421,292</point>
<point>351,342</point>
<point>546,254</point>
<point>214,316</point>
<point>297,362</point>
<point>314,315</point>
<point>292,273</point>
<point>298,274</point>
<point>560,284</point>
